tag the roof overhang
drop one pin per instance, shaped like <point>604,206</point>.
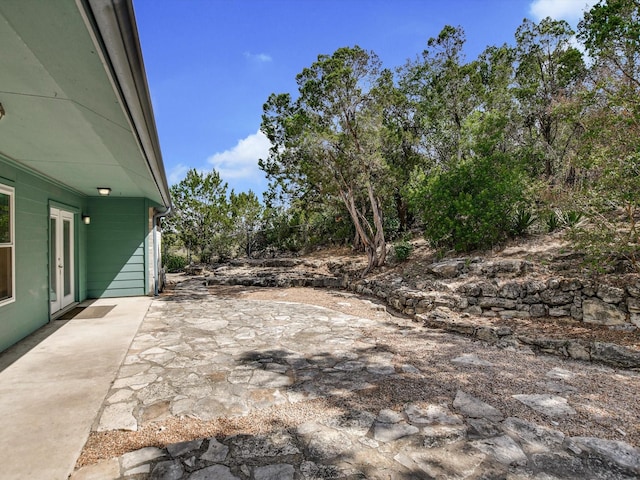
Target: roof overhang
<point>76,100</point>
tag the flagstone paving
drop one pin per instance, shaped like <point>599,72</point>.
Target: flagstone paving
<point>205,357</point>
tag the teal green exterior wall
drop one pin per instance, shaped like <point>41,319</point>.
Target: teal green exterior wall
<point>117,255</point>
<point>112,253</point>
<point>33,196</point>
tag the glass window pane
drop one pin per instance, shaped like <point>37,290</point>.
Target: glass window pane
<point>66,243</point>
<point>53,261</point>
<point>6,273</point>
<point>5,218</point>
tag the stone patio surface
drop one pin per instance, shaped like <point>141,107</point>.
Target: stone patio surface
<point>204,357</point>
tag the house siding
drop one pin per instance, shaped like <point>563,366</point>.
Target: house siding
<point>117,247</point>
<point>33,196</point>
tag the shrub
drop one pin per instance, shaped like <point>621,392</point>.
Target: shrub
<point>402,250</point>
<point>552,221</point>
<point>571,218</point>
<point>523,219</point>
<point>470,205</point>
<point>173,263</point>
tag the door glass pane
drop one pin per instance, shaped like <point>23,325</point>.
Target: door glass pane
<point>5,218</point>
<point>53,260</point>
<point>66,245</point>
<point>6,273</point>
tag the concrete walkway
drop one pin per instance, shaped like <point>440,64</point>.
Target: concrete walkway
<point>396,402</point>
<point>53,383</point>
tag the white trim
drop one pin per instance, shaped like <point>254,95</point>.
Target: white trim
<point>11,191</point>
<point>62,268</point>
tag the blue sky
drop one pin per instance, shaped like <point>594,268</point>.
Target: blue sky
<point>211,64</point>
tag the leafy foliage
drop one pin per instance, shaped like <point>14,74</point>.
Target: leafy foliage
<point>552,221</point>
<point>201,217</point>
<point>523,219</point>
<point>402,250</point>
<point>470,205</point>
<point>173,262</point>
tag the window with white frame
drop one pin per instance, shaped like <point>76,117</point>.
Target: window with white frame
<point>7,246</point>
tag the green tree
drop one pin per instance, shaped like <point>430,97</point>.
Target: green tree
<point>549,72</point>
<point>401,137</point>
<point>440,84</point>
<point>611,146</point>
<point>201,214</point>
<point>246,214</point>
<point>328,141</point>
<point>611,33</point>
<point>494,124</point>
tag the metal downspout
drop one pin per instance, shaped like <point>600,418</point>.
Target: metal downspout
<point>156,271</point>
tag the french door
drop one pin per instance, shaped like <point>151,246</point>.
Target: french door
<point>61,255</point>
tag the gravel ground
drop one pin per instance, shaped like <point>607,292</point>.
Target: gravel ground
<point>605,398</point>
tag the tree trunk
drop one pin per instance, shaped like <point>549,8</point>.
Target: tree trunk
<point>403,212</point>
<point>365,238</point>
<point>379,242</point>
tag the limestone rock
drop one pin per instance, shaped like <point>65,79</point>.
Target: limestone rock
<point>177,449</point>
<point>633,304</point>
<point>534,286</point>
<point>327,443</point>
<point>389,416</point>
<point>577,350</point>
<point>137,457</point>
<point>471,359</point>
<point>634,289</point>
<point>447,269</point>
<point>353,422</point>
<point>431,414</point>
<point>503,449</point>
<point>280,471</point>
<point>276,444</point>
<point>216,452</point>
<point>388,432</point>
<point>549,405</point>
<point>168,470</point>
<point>106,469</point>
<point>613,354</point>
<point>217,472</point>
<point>601,313</point>
<point>556,297</point>
<point>533,438</point>
<point>473,407</point>
<point>538,310</point>
<point>510,290</point>
<point>451,461</point>
<point>610,294</point>
<point>118,416</point>
<point>620,453</point>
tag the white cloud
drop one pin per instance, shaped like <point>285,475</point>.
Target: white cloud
<point>570,10</point>
<point>241,161</point>
<point>177,173</point>
<point>258,57</point>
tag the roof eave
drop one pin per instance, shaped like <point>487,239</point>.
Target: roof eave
<point>115,34</point>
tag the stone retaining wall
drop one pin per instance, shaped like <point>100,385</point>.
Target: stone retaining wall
<point>479,301</point>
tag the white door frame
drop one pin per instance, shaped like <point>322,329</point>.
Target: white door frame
<point>62,282</point>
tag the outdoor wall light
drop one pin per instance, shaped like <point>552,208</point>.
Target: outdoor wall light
<point>1,112</point>
<point>86,219</point>
<point>104,191</point>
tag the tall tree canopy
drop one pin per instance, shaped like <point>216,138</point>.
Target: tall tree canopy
<point>201,210</point>
<point>329,141</point>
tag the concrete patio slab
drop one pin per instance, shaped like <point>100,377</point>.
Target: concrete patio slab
<point>53,383</point>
